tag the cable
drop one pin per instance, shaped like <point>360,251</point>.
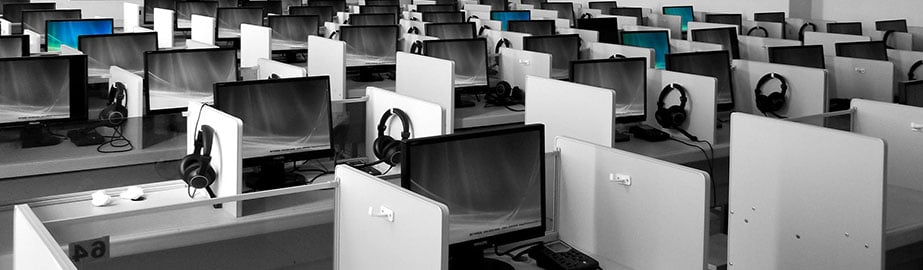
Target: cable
<point>117,136</point>
<point>388,170</point>
<point>711,168</point>
<point>318,176</point>
<point>508,252</point>
<point>511,109</point>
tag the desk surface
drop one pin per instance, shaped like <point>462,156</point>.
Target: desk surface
<point>904,217</point>
<point>676,152</point>
<point>483,114</point>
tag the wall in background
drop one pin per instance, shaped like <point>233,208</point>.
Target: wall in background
<point>867,11</point>
<point>745,7</point>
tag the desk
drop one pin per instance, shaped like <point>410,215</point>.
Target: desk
<point>483,114</point>
<point>676,152</point>
<point>904,217</point>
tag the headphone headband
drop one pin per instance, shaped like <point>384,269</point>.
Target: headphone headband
<point>804,27</point>
<point>405,122</point>
<point>911,75</point>
<point>758,28</point>
<point>117,93</point>
<point>503,42</point>
<point>768,77</point>
<point>666,91</point>
<point>203,140</point>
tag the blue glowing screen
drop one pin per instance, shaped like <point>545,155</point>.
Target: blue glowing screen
<point>657,40</point>
<point>66,31</point>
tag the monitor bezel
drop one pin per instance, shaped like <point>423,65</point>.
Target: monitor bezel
<point>146,85</point>
<point>473,26</point>
<point>77,92</point>
<point>644,63</point>
<point>80,44</point>
<point>839,45</point>
<point>663,10</point>
<point>757,15</point>
<point>332,14</point>
<point>775,50</point>
<point>610,31</point>
<point>834,24</point>
<point>735,46</point>
<point>24,39</point>
<point>453,7</point>
<point>276,17</point>
<point>110,20</point>
<point>424,15</point>
<point>527,22</point>
<point>176,14</point>
<point>904,21</point>
<point>29,11</point>
<point>486,59</point>
<point>721,107</point>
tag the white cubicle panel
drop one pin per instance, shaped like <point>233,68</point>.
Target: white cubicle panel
<point>131,16</point>
<point>192,44</point>
<point>894,123</point>
<point>897,40</point>
<point>605,50</point>
<point>558,103</point>
<point>68,50</point>
<point>33,246</point>
<point>616,221</point>
<point>861,78</point>
<point>328,57</point>
<point>830,40</point>
<point>674,23</point>
<point>255,43</point>
<point>203,29</point>
<point>917,36</point>
<point>789,207</point>
<point>757,48</point>
<point>414,236</point>
<point>330,28</point>
<point>683,46</point>
<point>700,103</point>
<point>494,37</point>
<point>476,8</point>
<point>430,79</point>
<point>630,28</point>
<point>592,12</point>
<point>266,68</point>
<point>134,99</point>
<point>516,65</point>
<point>773,29</point>
<point>6,27</point>
<point>491,24</point>
<point>409,39</point>
<point>903,60</point>
<point>35,41</point>
<point>405,26</point>
<point>226,150</point>
<point>139,29</point>
<point>163,25</point>
<point>622,21</point>
<point>425,117</point>
<point>806,94</point>
<point>541,14</point>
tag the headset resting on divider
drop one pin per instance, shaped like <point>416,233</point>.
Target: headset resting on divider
<point>804,27</point>
<point>502,43</point>
<point>773,102</point>
<point>674,116</point>
<point>416,47</point>
<point>765,32</point>
<point>115,112</point>
<point>196,167</point>
<point>885,37</point>
<point>385,148</point>
<point>911,75</point>
<point>505,94</point>
<point>413,30</point>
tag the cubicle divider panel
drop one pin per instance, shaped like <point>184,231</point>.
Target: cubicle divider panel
<point>192,44</point>
<point>542,14</point>
<point>409,39</point>
<point>804,197</point>
<point>773,29</point>
<point>255,43</point>
<point>916,33</point>
<point>684,46</point>
<point>134,99</point>
<point>674,23</point>
<point>329,28</point>
<point>68,50</point>
<point>415,236</point>
<point>586,36</point>
<point>570,109</point>
<point>407,24</point>
<point>622,20</point>
<point>605,50</point>
<point>203,29</point>
<point>897,40</point>
<point>6,27</point>
<point>829,40</point>
<point>494,37</point>
<point>163,25</point>
<point>131,16</point>
<point>33,245</point>
<point>861,78</point>
<point>35,41</point>
<point>895,124</point>
<point>328,57</point>
<point>516,65</point>
<point>266,68</point>
<point>757,48</point>
<point>806,94</point>
<point>426,118</point>
<point>701,108</point>
<point>903,60</point>
<point>658,220</point>
<point>429,79</point>
<point>226,150</point>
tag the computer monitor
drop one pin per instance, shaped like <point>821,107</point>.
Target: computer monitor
<point>532,27</point>
<point>849,28</point>
<point>230,19</point>
<point>469,55</point>
<point>395,9</point>
<point>715,64</point>
<point>562,48</point>
<point>603,6</point>
<point>34,20</point>
<point>382,2</point>
<point>565,10</point>
<point>685,12</point>
<point>607,28</point>
<point>725,36</point>
<point>185,10</point>
<point>806,56</point>
<point>911,92</point>
<point>444,17</point>
<point>13,12</point>
<point>285,120</point>
<point>368,19</point>
<point>777,17</point>
<point>66,32</point>
<point>495,5</point>
<point>451,30</point>
<point>493,183</point>
<point>734,19</point>
<point>657,40</point>
<point>338,5</point>
<point>627,77</point>
<point>323,13</point>
<point>174,78</point>
<point>43,89</point>
<point>370,45</point>
<point>274,7</point>
<point>874,50</point>
<point>14,46</point>
<point>534,3</point>
<point>293,30</point>
<point>149,6</point>
<point>505,16</point>
<point>892,25</point>
<point>125,50</point>
<point>5,2</point>
<point>437,8</point>
<point>636,12</point>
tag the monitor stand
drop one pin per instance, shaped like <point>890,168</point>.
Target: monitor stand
<point>366,75</point>
<point>273,175</point>
<point>459,103</point>
<point>473,258</point>
<point>37,135</point>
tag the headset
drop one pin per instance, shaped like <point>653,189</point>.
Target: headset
<point>472,17</point>
<point>765,32</point>
<point>804,27</point>
<point>911,75</point>
<point>385,148</point>
<point>481,30</point>
<point>115,112</point>
<point>885,37</point>
<point>413,30</point>
<point>617,56</point>
<point>772,102</point>
<point>505,94</point>
<point>586,16</point>
<point>674,116</point>
<point>416,47</point>
<point>196,167</point>
<point>503,42</point>
<point>335,33</point>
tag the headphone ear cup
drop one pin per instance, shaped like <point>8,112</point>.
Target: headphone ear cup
<point>762,103</point>
<point>677,115</point>
<point>380,145</point>
<point>392,153</point>
<point>776,101</point>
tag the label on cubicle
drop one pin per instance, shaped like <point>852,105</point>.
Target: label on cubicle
<point>88,251</point>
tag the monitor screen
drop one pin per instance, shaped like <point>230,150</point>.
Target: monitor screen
<point>451,30</point>
<point>657,40</point>
<point>495,5</point>
<point>282,117</point>
<point>505,16</point>
<point>849,28</point>
<point>607,28</point>
<point>14,46</point>
<point>806,56</point>
<point>382,2</point>
<point>469,55</point>
<point>533,27</point>
<point>603,6</point>
<point>338,5</point>
<point>715,64</point>
<point>34,20</point>
<point>563,49</point>
<point>324,13</point>
<point>725,36</point>
<point>274,7</point>
<point>185,10</point>
<point>627,77</point>
<point>149,6</point>
<point>372,19</point>
<point>174,78</point>
<point>125,50</point>
<point>444,17</point>
<point>6,2</point>
<point>565,10</point>
<point>778,17</point>
<point>911,92</point>
<point>367,9</point>
<point>534,3</point>
<point>66,32</point>
<point>493,182</point>
<point>230,19</point>
<point>874,50</point>
<point>370,45</point>
<point>685,12</point>
<point>13,12</point>
<point>293,30</point>
<point>892,25</point>
<point>42,89</point>
<point>436,8</point>
<point>734,19</point>
<point>636,12</point>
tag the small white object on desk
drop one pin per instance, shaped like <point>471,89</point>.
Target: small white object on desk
<point>100,198</point>
<point>134,193</point>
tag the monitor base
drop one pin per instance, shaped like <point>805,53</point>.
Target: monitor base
<point>474,259</point>
<point>366,75</point>
<point>37,135</point>
<point>273,176</point>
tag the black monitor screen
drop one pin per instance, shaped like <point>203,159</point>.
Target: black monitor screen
<point>370,45</point>
<point>734,19</point>
<point>436,8</point>
<point>495,5</point>
<point>603,6</point>
<point>806,56</point>
<point>382,2</point>
<point>469,55</point>
<point>725,36</point>
<point>5,2</point>
<point>563,49</point>
<point>174,78</point>
<point>627,77</point>
<point>185,10</point>
<point>911,92</point>
<point>230,19</point>
<point>565,10</point>
<point>534,27</point>
<point>493,182</point>
<point>874,50</point>
<point>13,12</point>
<point>372,19</point>
<point>657,40</point>
<point>715,64</point>
<point>123,50</point>
<point>274,7</point>
<point>338,5</point>
<point>892,25</point>
<point>42,89</point>
<point>849,28</point>
<point>324,13</point>
<point>778,17</point>
<point>34,20</point>
<point>444,17</point>
<point>451,30</point>
<point>14,46</point>
<point>638,13</point>
<point>606,27</point>
<point>293,29</point>
<point>396,10</point>
<point>534,3</point>
<point>150,5</point>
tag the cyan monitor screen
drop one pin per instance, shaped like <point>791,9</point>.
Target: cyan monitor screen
<point>683,11</point>
<point>874,50</point>
<point>124,50</point>
<point>725,36</point>
<point>444,17</point>
<point>562,48</point>
<point>848,28</point>
<point>603,6</point>
<point>469,55</point>
<point>230,19</point>
<point>370,45</point>
<point>451,30</point>
<point>806,56</point>
<point>13,12</point>
<point>34,20</point>
<point>174,78</point>
<point>14,46</point>
<point>498,5</point>
<point>505,16</point>
<point>627,77</point>
<point>185,10</point>
<point>734,19</point>
<point>892,25</point>
<point>778,17</point>
<point>338,5</point>
<point>367,19</point>
<point>657,40</point>
<point>42,89</point>
<point>715,64</point>
<point>149,6</point>
<point>324,13</point>
<point>293,30</point>
<point>606,27</point>
<point>436,8</point>
<point>7,2</point>
<point>565,10</point>
<point>281,117</point>
<point>532,27</point>
<point>491,181</point>
<point>67,32</point>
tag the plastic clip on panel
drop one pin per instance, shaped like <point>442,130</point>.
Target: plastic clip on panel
<point>382,212</point>
<point>621,179</point>
<point>916,127</point>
